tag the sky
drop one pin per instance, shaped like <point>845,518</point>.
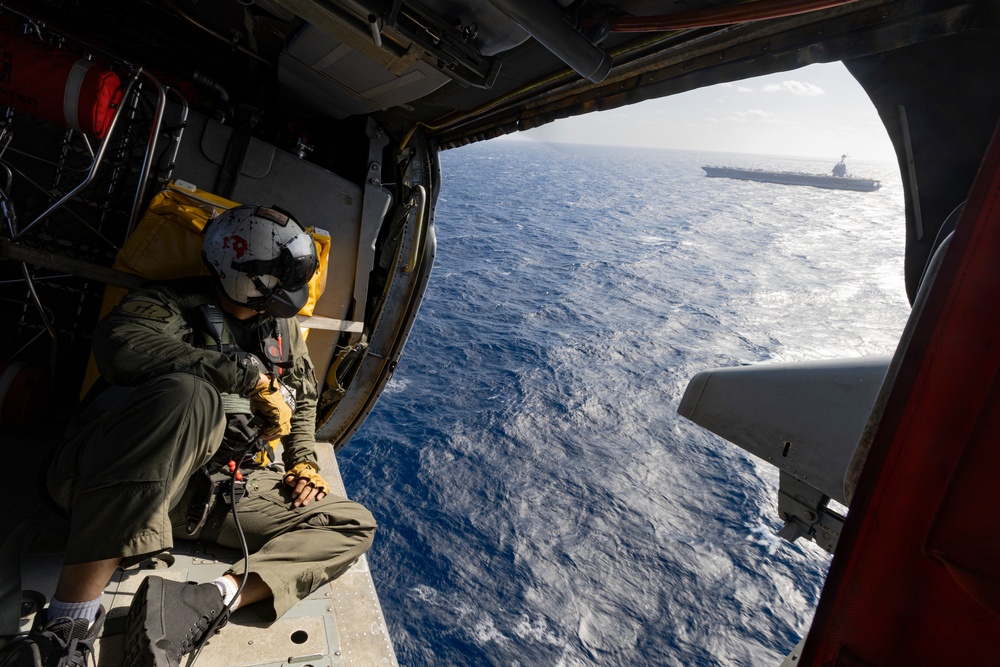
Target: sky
<point>817,111</point>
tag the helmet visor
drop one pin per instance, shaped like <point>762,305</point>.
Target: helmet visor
<point>293,267</point>
<point>298,263</point>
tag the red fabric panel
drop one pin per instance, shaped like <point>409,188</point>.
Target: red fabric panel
<point>98,100</point>
<point>35,78</point>
<point>23,392</point>
<point>914,580</point>
<point>965,536</point>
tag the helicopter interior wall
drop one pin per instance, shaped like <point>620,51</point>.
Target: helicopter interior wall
<point>270,176</point>
<point>315,196</point>
<point>934,93</point>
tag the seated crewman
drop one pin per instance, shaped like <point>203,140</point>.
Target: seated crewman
<point>197,373</point>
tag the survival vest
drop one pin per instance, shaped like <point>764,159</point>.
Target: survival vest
<point>213,333</point>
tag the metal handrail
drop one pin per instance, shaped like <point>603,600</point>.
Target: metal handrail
<point>147,163</point>
<point>420,204</point>
<point>182,124</point>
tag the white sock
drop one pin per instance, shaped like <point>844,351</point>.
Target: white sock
<point>87,610</point>
<point>228,589</point>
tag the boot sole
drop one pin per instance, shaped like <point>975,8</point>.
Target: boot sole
<point>145,627</point>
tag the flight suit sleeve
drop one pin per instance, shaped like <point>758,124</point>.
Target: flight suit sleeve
<point>300,445</point>
<point>144,337</point>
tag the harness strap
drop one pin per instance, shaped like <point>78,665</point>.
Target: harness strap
<point>275,345</point>
<point>276,348</point>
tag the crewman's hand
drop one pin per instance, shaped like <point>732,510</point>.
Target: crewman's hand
<point>273,406</point>
<point>306,483</point>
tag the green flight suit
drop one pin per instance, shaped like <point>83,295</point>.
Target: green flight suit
<point>122,471</point>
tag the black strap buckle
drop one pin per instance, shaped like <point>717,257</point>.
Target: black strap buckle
<point>234,491</point>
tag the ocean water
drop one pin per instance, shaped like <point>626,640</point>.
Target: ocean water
<point>540,501</point>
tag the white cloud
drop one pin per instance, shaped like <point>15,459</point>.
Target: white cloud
<point>746,116</point>
<point>795,88</point>
<point>750,116</point>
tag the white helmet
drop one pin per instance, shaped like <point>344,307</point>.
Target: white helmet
<point>261,257</point>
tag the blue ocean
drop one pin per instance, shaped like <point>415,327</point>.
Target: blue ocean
<point>540,501</point>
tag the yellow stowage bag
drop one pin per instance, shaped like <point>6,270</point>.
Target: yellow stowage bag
<point>166,245</point>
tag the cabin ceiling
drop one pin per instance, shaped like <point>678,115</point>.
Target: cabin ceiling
<point>467,70</point>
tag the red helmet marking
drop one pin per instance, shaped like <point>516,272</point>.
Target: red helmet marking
<point>239,245</point>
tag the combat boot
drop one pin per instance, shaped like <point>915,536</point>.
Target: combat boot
<point>60,642</point>
<point>167,619</point>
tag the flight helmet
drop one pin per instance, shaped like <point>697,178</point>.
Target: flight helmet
<point>261,258</point>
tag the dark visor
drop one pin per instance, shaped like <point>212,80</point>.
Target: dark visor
<point>299,263</point>
<point>293,267</point>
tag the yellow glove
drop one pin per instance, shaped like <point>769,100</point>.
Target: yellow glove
<point>274,405</point>
<point>301,477</point>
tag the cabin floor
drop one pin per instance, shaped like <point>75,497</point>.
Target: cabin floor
<point>339,624</point>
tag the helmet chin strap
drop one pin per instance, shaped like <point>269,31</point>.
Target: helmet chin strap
<point>279,302</point>
<point>265,291</point>
<point>232,307</point>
